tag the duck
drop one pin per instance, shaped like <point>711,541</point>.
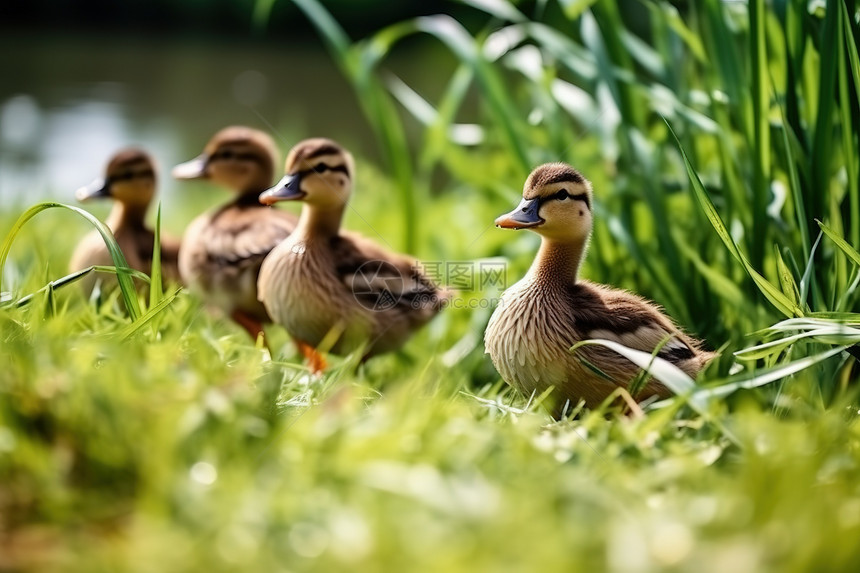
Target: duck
<point>540,318</point>
<point>223,248</point>
<point>333,290</point>
<point>130,180</point>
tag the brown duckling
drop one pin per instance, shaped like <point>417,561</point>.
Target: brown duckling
<point>223,249</point>
<point>130,181</point>
<point>333,289</point>
<point>541,317</point>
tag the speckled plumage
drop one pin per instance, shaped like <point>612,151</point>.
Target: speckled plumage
<point>542,316</point>
<point>332,289</point>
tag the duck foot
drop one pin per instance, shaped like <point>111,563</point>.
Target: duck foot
<point>253,326</point>
<point>316,361</point>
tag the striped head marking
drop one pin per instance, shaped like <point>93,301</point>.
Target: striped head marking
<point>557,203</point>
<point>318,171</point>
<point>129,178</point>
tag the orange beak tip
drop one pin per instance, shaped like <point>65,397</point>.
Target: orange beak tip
<point>525,216</point>
<point>506,222</point>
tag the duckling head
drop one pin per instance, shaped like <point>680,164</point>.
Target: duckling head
<point>557,202</point>
<point>239,158</point>
<point>129,178</point>
<point>319,172</point>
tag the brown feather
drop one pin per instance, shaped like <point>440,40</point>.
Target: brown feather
<point>541,317</point>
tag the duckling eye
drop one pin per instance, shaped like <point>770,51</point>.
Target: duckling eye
<point>320,168</point>
<point>561,195</point>
<point>226,154</point>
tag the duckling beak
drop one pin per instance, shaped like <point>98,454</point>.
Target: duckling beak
<point>194,169</point>
<point>287,189</point>
<point>524,216</point>
<point>96,189</point>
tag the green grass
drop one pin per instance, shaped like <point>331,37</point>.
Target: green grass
<point>722,142</point>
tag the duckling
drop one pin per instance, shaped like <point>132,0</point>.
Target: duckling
<point>539,318</point>
<point>223,248</point>
<point>335,289</point>
<point>129,180</point>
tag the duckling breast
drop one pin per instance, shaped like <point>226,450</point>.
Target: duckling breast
<point>527,340</point>
<point>302,292</point>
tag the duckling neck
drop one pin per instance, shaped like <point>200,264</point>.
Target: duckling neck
<point>317,222</point>
<point>249,197</point>
<point>249,192</point>
<point>557,263</point>
<point>126,216</point>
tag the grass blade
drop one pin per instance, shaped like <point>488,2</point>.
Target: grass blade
<point>840,242</point>
<point>670,375</point>
<point>151,314</point>
<point>747,381</point>
<point>123,272</point>
<point>724,286</point>
<point>74,277</point>
<point>851,49</point>
<point>832,334</point>
<point>823,127</point>
<point>846,105</point>
<point>786,279</point>
<point>155,286</point>
<point>761,128</point>
<point>796,189</point>
<point>771,292</point>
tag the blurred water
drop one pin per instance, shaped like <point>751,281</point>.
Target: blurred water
<point>67,103</point>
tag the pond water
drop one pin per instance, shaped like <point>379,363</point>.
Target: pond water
<point>68,102</point>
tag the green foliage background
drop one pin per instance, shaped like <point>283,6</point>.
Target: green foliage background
<point>716,134</point>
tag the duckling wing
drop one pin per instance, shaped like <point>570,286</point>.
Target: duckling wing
<point>240,237</point>
<point>384,279</point>
<point>623,317</point>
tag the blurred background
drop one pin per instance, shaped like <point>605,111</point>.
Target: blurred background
<point>78,80</point>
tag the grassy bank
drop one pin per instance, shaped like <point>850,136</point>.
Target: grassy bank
<point>717,139</point>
